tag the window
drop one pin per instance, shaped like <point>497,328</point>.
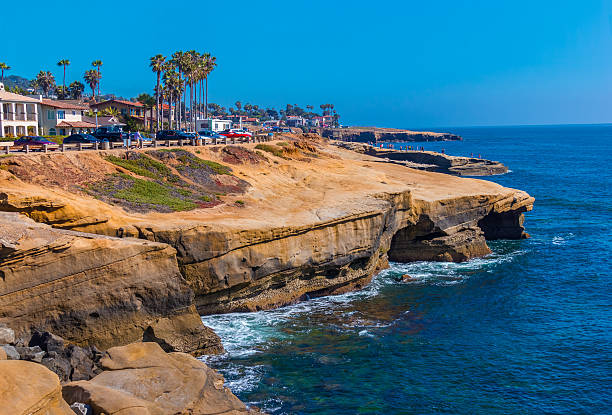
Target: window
<point>51,131</point>
<point>62,131</point>
<point>61,115</point>
<point>50,114</point>
<point>73,112</point>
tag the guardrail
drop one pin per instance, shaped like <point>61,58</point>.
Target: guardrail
<point>8,147</point>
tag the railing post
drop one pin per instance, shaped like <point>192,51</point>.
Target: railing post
<point>96,145</point>
<point>63,147</point>
<point>154,143</point>
<point>27,149</point>
<point>80,146</point>
<point>46,148</point>
<point>6,149</point>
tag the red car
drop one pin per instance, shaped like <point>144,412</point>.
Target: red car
<point>233,133</point>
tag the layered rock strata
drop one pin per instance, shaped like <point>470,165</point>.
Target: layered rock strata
<point>313,222</point>
<point>376,134</point>
<point>96,290</point>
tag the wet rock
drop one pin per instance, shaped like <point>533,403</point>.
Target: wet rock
<point>7,335</point>
<point>27,388</point>
<point>33,354</point>
<point>142,377</point>
<point>11,352</point>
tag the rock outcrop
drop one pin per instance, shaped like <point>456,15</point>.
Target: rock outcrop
<point>430,160</point>
<point>28,388</point>
<point>377,134</point>
<point>315,220</point>
<point>141,379</point>
<point>96,290</point>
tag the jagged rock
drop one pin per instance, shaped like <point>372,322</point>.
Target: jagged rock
<point>11,352</point>
<point>33,354</point>
<point>48,342</point>
<point>7,335</point>
<point>27,388</point>
<point>143,378</point>
<point>58,365</point>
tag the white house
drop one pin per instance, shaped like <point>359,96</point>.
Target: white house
<point>271,123</point>
<point>295,121</point>
<point>213,124</point>
<point>63,118</point>
<point>18,114</point>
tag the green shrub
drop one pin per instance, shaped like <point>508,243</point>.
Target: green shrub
<point>272,149</point>
<point>145,166</point>
<point>148,192</point>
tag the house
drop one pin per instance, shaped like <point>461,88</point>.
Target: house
<point>272,123</point>
<point>63,118</point>
<point>213,124</point>
<point>295,121</point>
<point>314,122</point>
<point>125,108</point>
<point>243,119</point>
<point>18,114</point>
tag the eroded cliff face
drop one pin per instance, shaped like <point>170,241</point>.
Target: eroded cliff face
<point>96,290</point>
<point>317,220</point>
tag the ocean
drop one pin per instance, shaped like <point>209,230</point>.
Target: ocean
<point>526,330</point>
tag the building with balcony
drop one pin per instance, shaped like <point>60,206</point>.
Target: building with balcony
<point>63,118</point>
<point>18,114</point>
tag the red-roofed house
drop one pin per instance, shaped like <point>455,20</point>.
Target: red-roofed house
<point>63,118</point>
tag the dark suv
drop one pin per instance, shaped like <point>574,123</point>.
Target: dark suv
<point>111,133</point>
<point>174,135</point>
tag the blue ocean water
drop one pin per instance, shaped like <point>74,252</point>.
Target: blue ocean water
<point>526,330</point>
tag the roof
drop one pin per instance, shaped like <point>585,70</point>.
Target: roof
<point>119,101</point>
<point>76,124</point>
<point>9,96</point>
<point>63,105</point>
<point>102,120</point>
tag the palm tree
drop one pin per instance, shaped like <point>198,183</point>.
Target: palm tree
<point>92,77</point>
<point>45,81</point>
<point>170,83</point>
<point>156,64</point>
<point>96,64</point>
<point>64,63</point>
<point>178,59</point>
<point>110,111</point>
<point>210,64</point>
<point>4,67</point>
<point>76,90</point>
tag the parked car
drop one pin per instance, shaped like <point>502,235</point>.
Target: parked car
<point>174,135</point>
<point>139,136</point>
<point>112,133</point>
<point>235,133</point>
<point>83,138</point>
<point>209,134</point>
<point>32,141</point>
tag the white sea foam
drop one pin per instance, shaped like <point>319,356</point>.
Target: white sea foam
<point>562,239</point>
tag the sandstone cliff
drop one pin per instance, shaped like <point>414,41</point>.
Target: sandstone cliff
<point>96,290</point>
<point>311,220</point>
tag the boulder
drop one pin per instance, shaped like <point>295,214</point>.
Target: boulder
<point>27,388</point>
<point>7,335</point>
<point>33,354</point>
<point>141,378</point>
<point>11,352</point>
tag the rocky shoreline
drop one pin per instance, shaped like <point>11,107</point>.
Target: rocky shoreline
<point>430,160</point>
<point>298,218</point>
<point>379,135</point>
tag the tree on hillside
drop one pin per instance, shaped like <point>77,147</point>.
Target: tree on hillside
<point>4,67</point>
<point>64,63</point>
<point>209,66</point>
<point>93,79</point>
<point>76,89</point>
<point>96,64</point>
<point>157,66</point>
<point>44,81</point>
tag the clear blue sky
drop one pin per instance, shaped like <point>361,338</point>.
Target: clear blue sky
<point>388,63</point>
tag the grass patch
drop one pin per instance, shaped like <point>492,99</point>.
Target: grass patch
<point>145,166</point>
<point>239,202</point>
<point>282,144</point>
<point>148,192</point>
<point>272,149</point>
<point>205,198</point>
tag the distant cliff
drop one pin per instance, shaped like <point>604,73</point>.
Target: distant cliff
<point>375,134</point>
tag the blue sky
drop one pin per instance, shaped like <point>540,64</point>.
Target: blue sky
<point>388,63</point>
